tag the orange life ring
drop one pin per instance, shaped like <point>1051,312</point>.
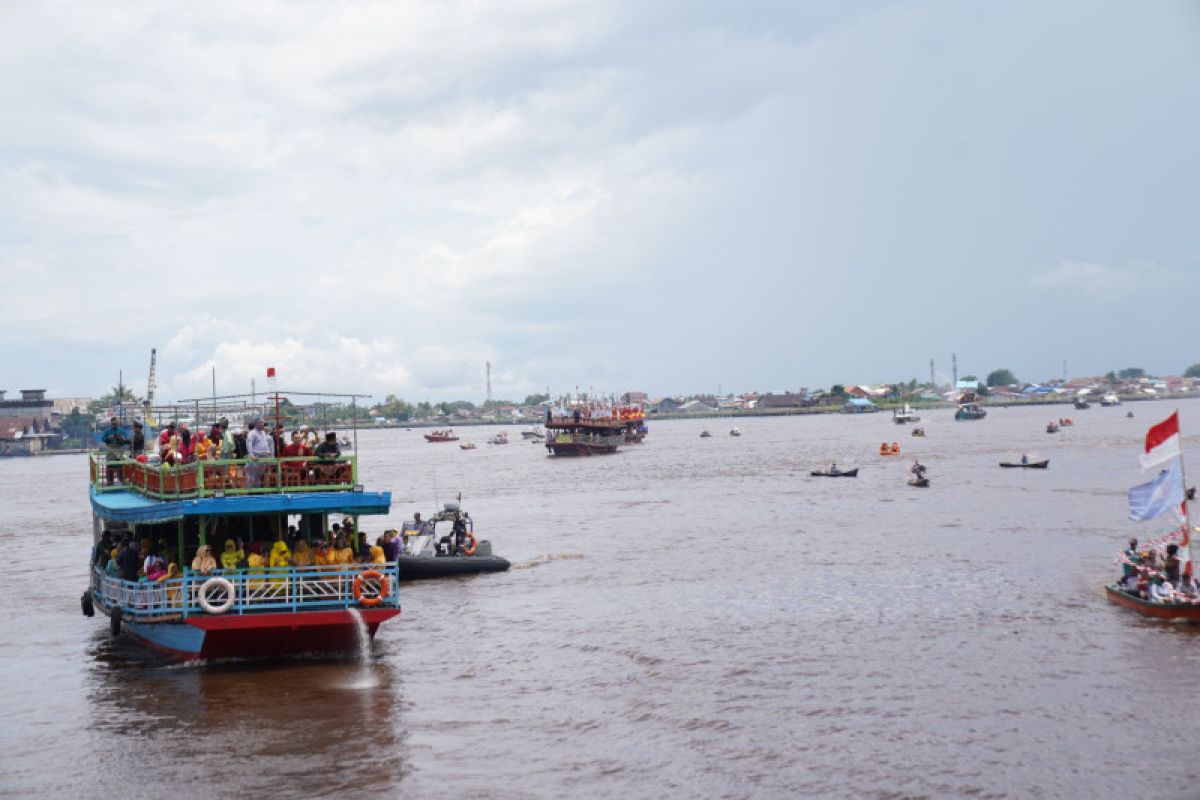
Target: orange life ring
<point>470,550</point>
<point>371,600</point>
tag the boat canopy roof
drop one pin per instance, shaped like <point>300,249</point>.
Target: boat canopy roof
<point>126,506</point>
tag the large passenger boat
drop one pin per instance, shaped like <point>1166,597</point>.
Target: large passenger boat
<point>585,428</point>
<point>231,504</point>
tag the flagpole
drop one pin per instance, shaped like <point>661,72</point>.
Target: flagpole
<point>1187,517</point>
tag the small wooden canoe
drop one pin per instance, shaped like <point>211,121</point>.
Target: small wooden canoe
<point>844,473</point>
<point>1028,465</point>
<point>1189,612</point>
<point>920,483</point>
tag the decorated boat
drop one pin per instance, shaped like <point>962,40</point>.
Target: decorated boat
<point>241,606</point>
<point>441,436</point>
<point>635,423</point>
<point>585,429</point>
<point>1157,579</point>
<point>430,549</point>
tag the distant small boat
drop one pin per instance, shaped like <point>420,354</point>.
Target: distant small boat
<point>735,432</point>
<point>904,415</point>
<point>499,438</point>
<point>841,473</point>
<point>1082,404</point>
<point>1052,427</point>
<point>705,434</point>
<point>441,436</point>
<point>536,433</point>
<point>1110,399</point>
<point>921,482</point>
<point>467,445</point>
<point>918,432</point>
<point>1129,414</point>
<point>1027,464</point>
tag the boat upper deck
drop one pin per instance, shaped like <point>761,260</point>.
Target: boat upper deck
<point>224,478</point>
<point>597,418</point>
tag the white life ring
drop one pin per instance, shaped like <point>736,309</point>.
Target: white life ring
<point>216,608</point>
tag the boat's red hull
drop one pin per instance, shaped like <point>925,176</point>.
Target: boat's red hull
<point>579,449</point>
<point>262,635</point>
<point>1168,611</point>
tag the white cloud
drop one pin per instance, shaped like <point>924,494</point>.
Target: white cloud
<point>1104,283</point>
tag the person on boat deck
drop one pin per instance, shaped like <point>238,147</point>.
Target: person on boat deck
<point>232,556</point>
<point>1162,591</point>
<point>277,437</point>
<point>391,545</point>
<point>111,568</point>
<point>1024,458</point>
<point>156,568</point>
<point>833,469</point>
<point>139,439</point>
<point>228,448</point>
<point>328,452</point>
<point>296,447</point>
<point>1171,564</point>
<point>342,552</point>
<point>280,555</point>
<point>365,552</point>
<point>187,444</point>
<point>259,445</point>
<point>323,555</point>
<point>1132,559</point>
<point>172,571</point>
<point>460,531</point>
<point>128,560</point>
<point>883,447</point>
<point>164,436</point>
<point>918,468</point>
<point>114,444</point>
<point>101,550</point>
<point>378,556</point>
<point>204,563</point>
<point>302,554</point>
<point>201,447</point>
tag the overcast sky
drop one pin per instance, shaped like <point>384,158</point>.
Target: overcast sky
<point>663,196</point>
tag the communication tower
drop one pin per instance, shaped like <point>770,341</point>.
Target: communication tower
<point>488,364</point>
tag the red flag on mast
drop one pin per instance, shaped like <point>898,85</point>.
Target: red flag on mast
<point>1162,442</point>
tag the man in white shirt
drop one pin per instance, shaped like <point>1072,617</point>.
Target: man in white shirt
<point>259,445</point>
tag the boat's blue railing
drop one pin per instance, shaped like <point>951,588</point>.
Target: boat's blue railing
<point>275,589</point>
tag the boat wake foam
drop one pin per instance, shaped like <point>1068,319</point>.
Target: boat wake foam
<point>545,559</point>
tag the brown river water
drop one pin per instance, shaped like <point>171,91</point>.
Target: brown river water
<point>686,618</point>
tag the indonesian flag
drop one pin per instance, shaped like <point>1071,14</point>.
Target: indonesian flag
<point>1162,442</point>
